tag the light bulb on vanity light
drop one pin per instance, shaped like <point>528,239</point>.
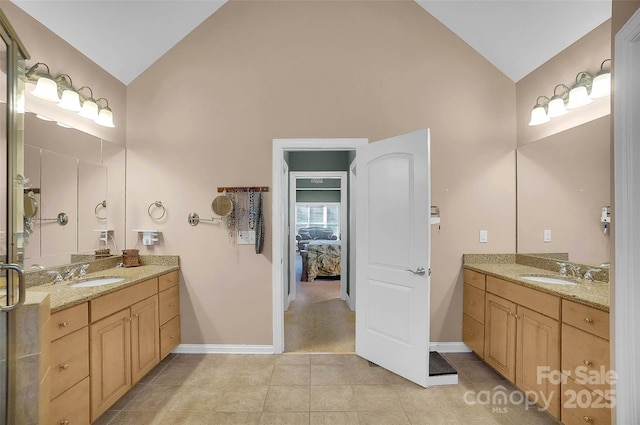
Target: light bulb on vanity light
<point>539,112</point>
<point>89,106</point>
<point>556,106</point>
<point>579,95</point>
<point>105,115</point>
<point>601,85</point>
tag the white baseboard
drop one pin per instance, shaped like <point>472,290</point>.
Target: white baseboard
<point>223,349</point>
<point>441,347</point>
<point>449,347</point>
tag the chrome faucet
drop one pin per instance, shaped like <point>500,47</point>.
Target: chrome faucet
<point>588,275</point>
<point>575,270</point>
<point>563,268</point>
<point>83,270</point>
<point>58,276</point>
<point>68,273</point>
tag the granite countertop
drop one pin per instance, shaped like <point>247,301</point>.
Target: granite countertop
<point>595,294</point>
<point>62,295</point>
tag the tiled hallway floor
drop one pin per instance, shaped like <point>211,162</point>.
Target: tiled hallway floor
<point>311,389</point>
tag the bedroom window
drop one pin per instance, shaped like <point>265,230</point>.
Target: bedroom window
<point>312,214</point>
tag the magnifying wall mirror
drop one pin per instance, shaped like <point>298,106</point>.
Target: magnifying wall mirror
<point>222,206</point>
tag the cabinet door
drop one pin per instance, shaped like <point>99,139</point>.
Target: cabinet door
<point>500,335</point>
<point>145,337</point>
<point>538,350</point>
<point>110,361</point>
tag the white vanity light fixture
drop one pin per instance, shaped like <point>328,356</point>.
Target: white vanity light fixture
<point>539,112</point>
<point>89,108</point>
<point>70,99</point>
<point>149,237</point>
<point>556,107</point>
<point>579,93</point>
<point>46,86</point>
<point>105,115</point>
<point>601,85</point>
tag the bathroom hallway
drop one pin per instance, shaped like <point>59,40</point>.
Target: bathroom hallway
<point>318,321</point>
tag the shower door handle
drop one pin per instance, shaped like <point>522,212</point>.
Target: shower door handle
<point>22,289</point>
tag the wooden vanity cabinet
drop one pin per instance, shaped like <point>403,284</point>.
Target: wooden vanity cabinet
<point>169,313</point>
<point>69,371</point>
<point>473,311</point>
<point>586,387</point>
<point>124,342</point>
<point>522,335</point>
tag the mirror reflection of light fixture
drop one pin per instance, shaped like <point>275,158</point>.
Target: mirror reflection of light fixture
<point>46,86</point>
<point>579,94</point>
<point>89,106</point>
<point>601,85</point>
<point>105,115</point>
<point>539,112</point>
<point>556,106</point>
<point>70,98</point>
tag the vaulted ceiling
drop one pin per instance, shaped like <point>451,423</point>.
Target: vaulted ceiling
<point>126,37</point>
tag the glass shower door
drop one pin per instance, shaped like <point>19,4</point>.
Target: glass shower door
<point>12,285</point>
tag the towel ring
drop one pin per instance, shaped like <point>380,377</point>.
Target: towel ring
<point>157,204</point>
<point>102,204</point>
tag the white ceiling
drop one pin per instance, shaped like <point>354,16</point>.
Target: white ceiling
<point>126,37</point>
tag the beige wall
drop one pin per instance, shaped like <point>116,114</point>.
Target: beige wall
<point>45,46</point>
<point>205,114</point>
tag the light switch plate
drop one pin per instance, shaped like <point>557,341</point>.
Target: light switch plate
<point>484,235</point>
<point>546,236</point>
<point>246,237</point>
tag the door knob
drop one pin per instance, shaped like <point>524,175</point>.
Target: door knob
<point>420,271</point>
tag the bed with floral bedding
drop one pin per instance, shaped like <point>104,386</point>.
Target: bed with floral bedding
<point>323,259</point>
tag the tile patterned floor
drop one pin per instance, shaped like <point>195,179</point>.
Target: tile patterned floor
<point>310,389</point>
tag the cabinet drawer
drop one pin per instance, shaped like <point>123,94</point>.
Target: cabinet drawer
<point>473,302</point>
<point>587,318</point>
<point>168,280</point>
<point>582,406</point>
<point>585,357</point>
<point>473,334</point>
<point>65,321</point>
<point>474,278</point>
<point>169,304</point>
<point>69,361</point>
<point>169,336</point>
<point>112,303</point>
<point>72,406</point>
<point>544,303</point>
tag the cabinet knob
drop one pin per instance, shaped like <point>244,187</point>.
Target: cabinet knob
<point>472,302</point>
<point>471,334</point>
<point>64,422</point>
<point>173,337</point>
<point>588,320</point>
<point>64,366</point>
<point>587,362</point>
<point>63,324</point>
<point>136,315</point>
<point>587,419</point>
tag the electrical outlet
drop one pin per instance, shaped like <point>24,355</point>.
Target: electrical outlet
<point>246,237</point>
<point>547,236</point>
<point>484,236</point>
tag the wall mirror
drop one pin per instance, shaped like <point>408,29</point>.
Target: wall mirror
<point>78,175</point>
<point>564,182</point>
<point>222,205</point>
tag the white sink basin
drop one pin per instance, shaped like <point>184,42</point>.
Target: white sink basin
<point>98,281</point>
<point>549,279</point>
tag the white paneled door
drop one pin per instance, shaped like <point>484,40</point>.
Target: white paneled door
<point>393,200</point>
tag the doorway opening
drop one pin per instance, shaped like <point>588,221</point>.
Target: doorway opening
<point>318,318</point>
<point>284,241</point>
